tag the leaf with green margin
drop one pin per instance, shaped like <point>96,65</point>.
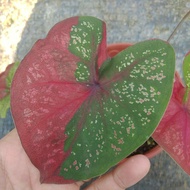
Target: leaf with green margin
<point>173,132</point>
<point>5,83</point>
<point>124,108</point>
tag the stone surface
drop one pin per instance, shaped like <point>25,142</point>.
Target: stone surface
<point>13,17</point>
<point>24,22</point>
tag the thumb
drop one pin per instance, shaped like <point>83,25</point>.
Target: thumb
<point>127,173</point>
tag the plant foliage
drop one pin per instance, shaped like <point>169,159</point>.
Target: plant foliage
<point>78,111</point>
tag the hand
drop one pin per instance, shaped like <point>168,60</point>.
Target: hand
<point>18,173</point>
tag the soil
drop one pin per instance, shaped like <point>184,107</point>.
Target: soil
<point>148,145</point>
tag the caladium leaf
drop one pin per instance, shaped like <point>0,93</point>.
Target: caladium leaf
<point>173,132</point>
<point>5,85</point>
<point>79,112</point>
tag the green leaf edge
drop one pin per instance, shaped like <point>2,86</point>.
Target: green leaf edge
<point>186,75</point>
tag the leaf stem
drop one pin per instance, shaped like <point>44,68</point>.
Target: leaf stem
<point>178,26</point>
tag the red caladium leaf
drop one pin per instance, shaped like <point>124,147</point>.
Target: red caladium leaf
<point>173,132</point>
<point>79,112</point>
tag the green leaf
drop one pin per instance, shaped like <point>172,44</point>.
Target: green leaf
<point>186,74</point>
<point>186,70</point>
<point>11,73</point>
<point>6,80</point>
<point>86,38</point>
<point>124,108</point>
<point>4,106</point>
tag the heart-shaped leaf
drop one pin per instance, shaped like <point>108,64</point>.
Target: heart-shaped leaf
<point>79,112</point>
<point>173,132</point>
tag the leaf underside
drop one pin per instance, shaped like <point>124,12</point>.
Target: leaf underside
<point>78,111</point>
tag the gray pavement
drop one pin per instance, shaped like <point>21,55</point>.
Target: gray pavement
<point>127,21</point>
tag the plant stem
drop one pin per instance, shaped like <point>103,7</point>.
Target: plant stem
<point>178,26</point>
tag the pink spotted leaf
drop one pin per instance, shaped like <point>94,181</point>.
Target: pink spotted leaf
<point>173,132</point>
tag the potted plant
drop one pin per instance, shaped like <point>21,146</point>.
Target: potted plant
<point>80,111</point>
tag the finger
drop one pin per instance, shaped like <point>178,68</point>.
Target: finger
<point>59,187</point>
<point>125,175</point>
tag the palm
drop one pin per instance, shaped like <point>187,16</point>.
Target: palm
<point>17,172</point>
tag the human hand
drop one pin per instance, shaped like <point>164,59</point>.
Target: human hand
<point>18,173</point>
